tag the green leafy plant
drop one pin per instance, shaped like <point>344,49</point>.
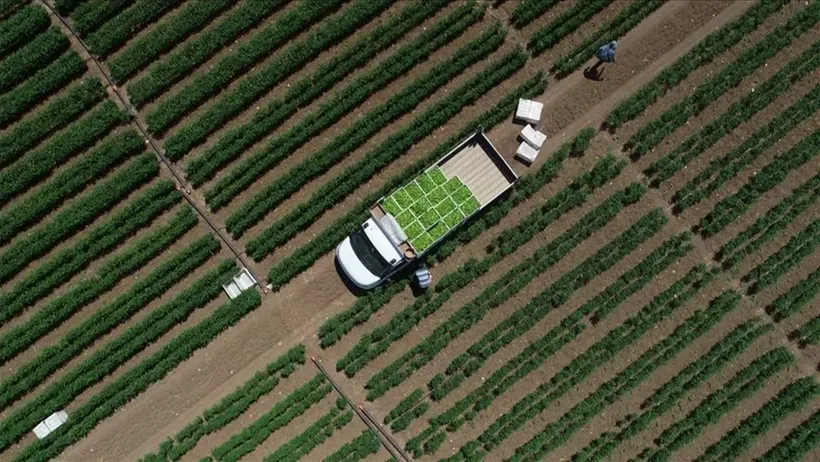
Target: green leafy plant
<point>791,399</point>
<point>80,213</point>
<point>718,403</point>
<point>104,360</point>
<point>134,381</point>
<point>21,28</point>
<point>730,208</point>
<point>797,443</point>
<point>56,115</point>
<point>797,298</point>
<point>64,185</point>
<point>36,165</point>
<point>678,388</point>
<point>651,134</point>
<point>37,54</point>
<point>91,14</point>
<point>564,24</point>
<point>180,63</point>
<point>720,170</point>
<point>229,408</point>
<point>769,225</point>
<point>55,272</point>
<point>364,445</point>
<point>298,94</point>
<point>354,136</point>
<point>114,33</point>
<point>784,260</point>
<point>527,11</point>
<point>39,86</point>
<point>164,37</point>
<point>700,55</point>
<point>262,44</point>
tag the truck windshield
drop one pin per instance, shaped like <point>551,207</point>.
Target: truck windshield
<point>367,253</point>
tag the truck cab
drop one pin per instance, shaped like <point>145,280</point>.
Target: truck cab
<point>368,255</point>
<point>415,217</point>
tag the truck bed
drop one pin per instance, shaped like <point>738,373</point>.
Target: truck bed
<point>477,167</point>
<point>459,185</point>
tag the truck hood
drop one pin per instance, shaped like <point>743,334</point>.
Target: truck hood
<point>353,267</point>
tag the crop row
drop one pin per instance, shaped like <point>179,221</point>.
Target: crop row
<point>63,7</point>
<point>468,363</point>
<point>797,298</point>
<point>290,60</point>
<point>79,214</point>
<point>770,225</point>
<point>104,320</point>
<point>354,136</point>
<point>651,134</point>
<point>809,333</point>
<point>671,392</point>
<point>398,144</point>
<point>717,404</point>
<point>35,55</point>
<point>114,33</point>
<point>784,260</point>
<point>136,380</point>
<point>626,19</point>
<point>282,413</point>
<point>69,182</point>
<point>528,11</point>
<point>195,52</point>
<point>402,103</point>
<point>230,407</point>
<point>337,326</point>
<point>58,270</point>
<point>602,352</point>
<point>703,53</point>
<point>739,112</point>
<point>164,37</point>
<point>364,445</point>
<point>377,341</point>
<point>788,401</point>
<point>564,24</point>
<point>559,431</point>
<point>56,115</point>
<point>719,171</point>
<point>108,358</point>
<point>39,86</point>
<point>21,28</point>
<point>91,14</point>
<point>103,238</point>
<point>523,319</point>
<point>324,242</point>
<point>728,209</point>
<point>234,65</point>
<point>36,165</point>
<point>317,433</point>
<point>797,443</point>
<point>300,94</point>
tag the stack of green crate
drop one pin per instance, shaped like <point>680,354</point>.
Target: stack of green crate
<point>429,206</point>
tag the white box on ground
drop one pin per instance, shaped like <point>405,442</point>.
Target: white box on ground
<point>529,111</point>
<point>526,153</point>
<point>52,422</point>
<point>240,283</point>
<point>533,137</point>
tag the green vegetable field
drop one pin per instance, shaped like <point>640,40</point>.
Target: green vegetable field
<point>183,185</point>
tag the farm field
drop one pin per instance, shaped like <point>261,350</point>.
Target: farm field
<point>647,289</point>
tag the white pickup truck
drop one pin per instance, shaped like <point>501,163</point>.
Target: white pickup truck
<point>415,217</point>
